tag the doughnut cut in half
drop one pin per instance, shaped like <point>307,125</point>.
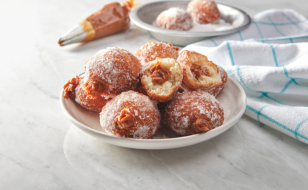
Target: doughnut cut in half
<point>162,78</point>
<point>198,72</point>
<point>193,112</point>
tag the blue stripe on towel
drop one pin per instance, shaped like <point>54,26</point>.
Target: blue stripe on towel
<point>240,78</point>
<point>291,40</point>
<point>230,53</point>
<point>286,86</point>
<point>279,24</point>
<point>276,122</point>
<point>267,96</point>
<point>239,33</point>
<point>237,68</point>
<point>259,112</point>
<point>292,79</point>
<point>285,72</point>
<point>275,26</point>
<point>274,55</point>
<point>298,126</point>
<point>294,23</point>
<point>260,33</point>
<point>281,39</point>
<point>293,60</point>
<point>213,41</point>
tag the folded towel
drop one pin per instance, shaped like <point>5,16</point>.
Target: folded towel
<point>270,60</point>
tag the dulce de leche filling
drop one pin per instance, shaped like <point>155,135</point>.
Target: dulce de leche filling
<point>69,87</point>
<point>159,74</point>
<point>200,126</point>
<point>110,19</point>
<point>93,88</point>
<point>125,120</point>
<point>198,71</point>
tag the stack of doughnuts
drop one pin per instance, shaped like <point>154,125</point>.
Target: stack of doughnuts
<point>136,94</point>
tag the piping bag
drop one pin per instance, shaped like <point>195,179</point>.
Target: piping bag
<point>112,18</point>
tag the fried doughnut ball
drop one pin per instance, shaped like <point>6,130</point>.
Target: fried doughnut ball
<point>75,90</point>
<point>112,70</point>
<point>175,19</point>
<point>198,72</point>
<point>193,112</point>
<point>203,11</point>
<point>162,78</point>
<point>130,114</point>
<point>150,51</point>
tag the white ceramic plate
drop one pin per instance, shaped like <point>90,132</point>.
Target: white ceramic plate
<point>232,98</point>
<point>144,15</point>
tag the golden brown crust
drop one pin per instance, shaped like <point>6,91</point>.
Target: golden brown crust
<point>130,114</point>
<point>203,11</point>
<point>215,90</point>
<point>190,62</point>
<point>150,51</point>
<point>193,112</point>
<point>187,59</point>
<point>161,98</point>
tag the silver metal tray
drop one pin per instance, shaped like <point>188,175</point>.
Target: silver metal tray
<point>144,15</point>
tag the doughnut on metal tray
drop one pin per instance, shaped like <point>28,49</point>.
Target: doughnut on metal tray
<point>144,15</point>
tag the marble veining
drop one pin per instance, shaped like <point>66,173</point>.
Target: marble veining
<point>41,149</point>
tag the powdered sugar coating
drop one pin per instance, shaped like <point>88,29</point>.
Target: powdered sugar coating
<point>94,102</point>
<point>175,19</point>
<point>114,67</point>
<point>150,51</point>
<point>203,11</point>
<point>186,108</point>
<point>145,114</point>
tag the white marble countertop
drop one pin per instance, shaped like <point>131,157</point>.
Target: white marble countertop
<point>41,149</point>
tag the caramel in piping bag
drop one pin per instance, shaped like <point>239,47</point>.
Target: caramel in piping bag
<point>112,18</point>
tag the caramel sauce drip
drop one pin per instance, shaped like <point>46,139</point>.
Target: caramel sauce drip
<point>126,120</point>
<point>69,87</point>
<point>198,71</point>
<point>94,88</point>
<point>159,74</point>
<point>200,126</point>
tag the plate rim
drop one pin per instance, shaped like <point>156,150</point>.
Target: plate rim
<point>225,125</point>
<point>136,20</point>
